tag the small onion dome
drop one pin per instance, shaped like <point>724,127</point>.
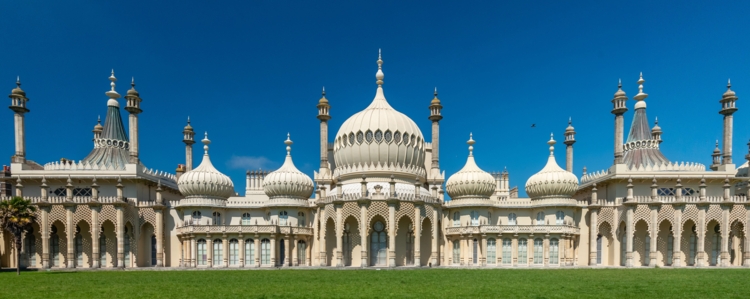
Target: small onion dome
<point>656,128</point>
<point>551,181</point>
<point>728,93</point>
<point>98,127</point>
<point>619,91</point>
<point>188,127</point>
<point>18,91</point>
<point>570,128</point>
<point>323,99</point>
<point>435,100</point>
<point>470,181</point>
<point>132,91</point>
<point>717,152</point>
<point>288,181</point>
<point>205,181</point>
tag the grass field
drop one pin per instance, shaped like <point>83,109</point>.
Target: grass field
<point>424,283</point>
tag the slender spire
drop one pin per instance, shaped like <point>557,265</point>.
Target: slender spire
<point>206,142</point>
<point>379,75</point>
<point>288,143</point>
<point>112,93</point>
<point>641,96</point>
<point>471,143</point>
<point>551,143</point>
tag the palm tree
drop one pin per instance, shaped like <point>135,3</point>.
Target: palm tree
<point>16,216</point>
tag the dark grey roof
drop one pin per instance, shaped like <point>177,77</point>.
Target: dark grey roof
<point>111,150</point>
<point>641,150</point>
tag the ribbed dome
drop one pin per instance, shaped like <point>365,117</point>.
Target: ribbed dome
<point>470,181</point>
<point>379,138</point>
<point>551,181</point>
<point>288,181</point>
<point>205,181</point>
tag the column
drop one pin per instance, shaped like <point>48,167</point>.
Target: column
<point>339,235</point>
<point>629,238</point>
<point>654,232</point>
<point>392,234</point>
<point>120,235</point>
<point>701,231</point>
<point>210,249</point>
<point>257,251</point>
<point>273,250</point>
<point>243,258</point>
<point>225,247</point>
<point>363,226</point>
<point>545,250</point>
<point>70,231</point>
<point>182,251</point>
<point>677,233</point>
<point>322,246</point>
<point>295,251</point>
<point>435,236</point>
<point>159,230</point>
<point>308,252</point>
<point>193,252</point>
<point>724,256</point>
<point>45,236</point>
<point>514,251</point>
<point>95,254</point>
<point>287,251</point>
<point>484,250</point>
<point>417,235</point>
<point>462,251</point>
<point>592,237</point>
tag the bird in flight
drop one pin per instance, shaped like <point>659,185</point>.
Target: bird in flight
<point>533,125</point>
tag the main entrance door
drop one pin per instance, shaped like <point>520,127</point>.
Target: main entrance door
<point>378,245</point>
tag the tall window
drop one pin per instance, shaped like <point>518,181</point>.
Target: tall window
<point>598,249</point>
<point>716,248</point>
<point>218,252</point>
<point>249,252</point>
<point>246,219</point>
<point>670,248</point>
<point>54,243</point>
<point>301,219</point>
<point>474,218</point>
<point>202,254</point>
<point>538,251</point>
<point>491,250</point>
<point>693,245</point>
<point>523,250</point>
<point>31,248</point>
<point>216,218</point>
<point>196,219</point>
<point>265,252</point>
<point>475,251</point>
<point>102,249</point>
<point>153,250</point>
<point>512,219</point>
<point>126,248</point>
<point>623,250</point>
<point>554,252</point>
<point>234,252</point>
<point>560,218</point>
<point>456,252</point>
<point>282,253</point>
<point>301,252</point>
<point>79,247</point>
<point>507,252</point>
<point>283,218</point>
<point>456,219</point>
<point>540,218</point>
<point>378,244</point>
<point>647,260</point>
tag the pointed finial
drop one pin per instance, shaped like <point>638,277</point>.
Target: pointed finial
<point>619,83</point>
<point>158,185</point>
<point>729,83</point>
<point>188,119</point>
<point>18,81</point>
<point>436,91</point>
<point>44,181</point>
<point>471,143</point>
<point>206,142</point>
<point>570,120</point>
<point>288,143</point>
<point>99,119</point>
<point>641,95</point>
<point>112,94</point>
<point>324,91</point>
<point>551,143</point>
<point>379,75</point>
<point>656,120</point>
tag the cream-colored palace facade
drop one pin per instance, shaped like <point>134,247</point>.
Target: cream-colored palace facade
<point>378,200</point>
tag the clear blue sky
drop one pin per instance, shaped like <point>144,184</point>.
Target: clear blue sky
<point>249,72</point>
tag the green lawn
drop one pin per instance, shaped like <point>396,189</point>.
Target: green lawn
<point>425,283</point>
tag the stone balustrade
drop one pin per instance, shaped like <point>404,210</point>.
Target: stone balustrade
<point>244,229</point>
<point>513,229</point>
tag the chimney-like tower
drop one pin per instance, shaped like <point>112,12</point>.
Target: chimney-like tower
<point>727,109</point>
<point>18,105</point>
<point>133,105</point>
<point>656,131</point>
<point>188,138</point>
<point>570,139</point>
<point>435,117</point>
<point>98,129</point>
<point>619,108</point>
<point>323,115</point>
<point>716,158</point>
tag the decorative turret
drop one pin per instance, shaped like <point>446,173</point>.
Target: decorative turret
<point>641,148</point>
<point>133,105</point>
<point>619,103</point>
<point>471,181</point>
<point>205,182</point>
<point>552,181</point>
<point>288,181</point>
<point>111,149</point>
<point>435,117</point>
<point>188,137</point>
<point>324,110</point>
<point>716,157</point>
<point>570,139</point>
<point>728,107</point>
<point>656,131</point>
<point>18,101</point>
<point>98,128</point>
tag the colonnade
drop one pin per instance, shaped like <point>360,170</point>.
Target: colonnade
<point>265,251</point>
<point>511,250</point>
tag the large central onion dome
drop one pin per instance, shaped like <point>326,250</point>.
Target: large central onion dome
<point>470,181</point>
<point>205,181</point>
<point>379,138</point>
<point>552,181</point>
<point>288,181</point>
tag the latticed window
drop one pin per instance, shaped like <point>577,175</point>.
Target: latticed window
<point>540,218</point>
<point>82,192</point>
<point>246,219</point>
<point>249,251</point>
<point>54,243</point>
<point>60,192</point>
<point>507,251</point>
<point>559,218</point>
<point>202,253</point>
<point>234,252</point>
<point>218,251</point>
<point>554,251</point>
<point>623,250</point>
<point>283,217</point>
<point>665,192</point>
<point>512,219</point>
<point>31,247</point>
<point>688,191</point>
<point>538,251</point>
<point>265,252</point>
<point>378,136</point>
<point>412,141</point>
<point>456,219</point>
<point>491,250</point>
<point>360,137</point>
<point>388,136</point>
<point>456,252</point>
<point>368,136</point>
<point>474,218</point>
<point>397,137</point>
<point>523,251</point>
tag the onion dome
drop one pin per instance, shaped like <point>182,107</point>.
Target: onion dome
<point>188,127</point>
<point>205,181</point>
<point>323,99</point>
<point>656,129</point>
<point>18,91</point>
<point>379,138</point>
<point>619,91</point>
<point>552,181</point>
<point>727,93</point>
<point>288,181</point>
<point>470,181</point>
<point>98,127</point>
<point>570,128</point>
<point>435,100</point>
<point>132,91</point>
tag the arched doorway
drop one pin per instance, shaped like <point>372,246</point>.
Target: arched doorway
<point>378,245</point>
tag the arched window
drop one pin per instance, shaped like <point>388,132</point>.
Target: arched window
<point>512,219</point>
<point>265,252</point>
<point>79,247</point>
<point>693,246</point>
<point>540,218</point>
<point>599,249</point>
<point>249,252</point>
<point>507,252</point>
<point>218,252</point>
<point>196,219</point>
<point>31,247</point>
<point>456,252</point>
<point>283,218</point>
<point>474,218</point>
<point>623,249</point>
<point>560,218</point>
<point>491,258</point>
<point>216,218</point>
<point>301,219</point>
<point>202,253</point>
<point>716,248</point>
<point>554,251</point>
<point>301,253</point>
<point>456,219</point>
<point>102,249</point>
<point>538,251</point>
<point>234,252</point>
<point>378,244</point>
<point>523,251</point>
<point>246,219</point>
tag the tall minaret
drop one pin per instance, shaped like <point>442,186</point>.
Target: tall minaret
<point>435,117</point>
<point>133,106</point>
<point>323,115</point>
<point>189,140</point>
<point>18,105</point>
<point>727,109</point>
<point>618,110</point>
<point>570,139</point>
